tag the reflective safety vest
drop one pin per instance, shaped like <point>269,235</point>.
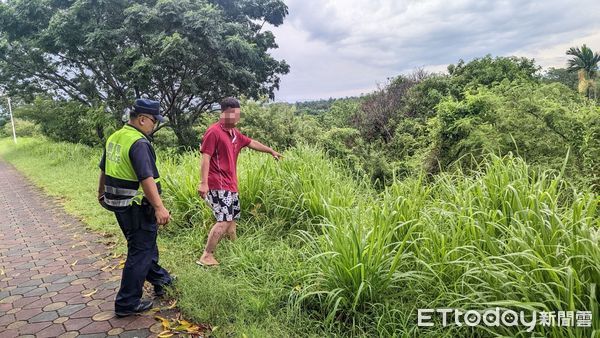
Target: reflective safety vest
<point>121,186</point>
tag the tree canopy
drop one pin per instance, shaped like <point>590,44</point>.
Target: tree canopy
<point>187,54</point>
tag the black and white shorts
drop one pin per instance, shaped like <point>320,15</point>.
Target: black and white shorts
<point>224,204</point>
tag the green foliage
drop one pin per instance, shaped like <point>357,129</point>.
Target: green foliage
<point>538,122</point>
<point>340,113</point>
<point>488,71</point>
<point>561,75</point>
<point>362,263</point>
<point>23,128</point>
<point>165,138</point>
<point>585,63</point>
<point>278,125</point>
<point>298,189</point>
<point>501,238</point>
<point>4,115</point>
<point>425,95</point>
<point>342,142</point>
<point>68,121</point>
<point>377,116</point>
<point>317,107</point>
<point>104,54</point>
<point>583,59</point>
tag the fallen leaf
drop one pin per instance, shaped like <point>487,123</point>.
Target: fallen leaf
<point>73,264</point>
<point>165,334</point>
<point>91,293</point>
<point>121,264</point>
<point>164,321</point>
<point>108,268</point>
<point>193,329</point>
<point>154,310</point>
<point>183,325</point>
<point>172,306</point>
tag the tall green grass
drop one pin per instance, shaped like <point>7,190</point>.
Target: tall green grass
<point>323,254</point>
<point>507,236</point>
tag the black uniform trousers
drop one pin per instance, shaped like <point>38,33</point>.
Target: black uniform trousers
<point>140,229</point>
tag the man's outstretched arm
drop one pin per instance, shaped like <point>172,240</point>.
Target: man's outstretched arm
<point>255,145</point>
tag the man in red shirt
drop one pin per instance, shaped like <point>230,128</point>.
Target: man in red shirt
<point>221,145</point>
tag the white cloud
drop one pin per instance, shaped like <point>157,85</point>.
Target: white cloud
<point>349,46</point>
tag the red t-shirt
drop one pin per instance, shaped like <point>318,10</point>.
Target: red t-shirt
<point>223,146</point>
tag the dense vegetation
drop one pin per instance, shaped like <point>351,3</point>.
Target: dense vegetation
<point>471,189</point>
<point>416,122</point>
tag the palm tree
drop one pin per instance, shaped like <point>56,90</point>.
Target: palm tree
<point>585,63</point>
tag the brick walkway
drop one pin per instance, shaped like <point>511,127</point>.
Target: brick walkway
<point>56,279</point>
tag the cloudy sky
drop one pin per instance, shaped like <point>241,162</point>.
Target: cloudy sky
<point>341,48</point>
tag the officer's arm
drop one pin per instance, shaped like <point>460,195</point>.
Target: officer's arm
<point>101,184</point>
<point>102,178</point>
<point>151,193</point>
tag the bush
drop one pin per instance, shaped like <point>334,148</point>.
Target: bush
<point>165,138</point>
<point>541,123</point>
<point>69,121</point>
<point>23,128</point>
<point>277,125</point>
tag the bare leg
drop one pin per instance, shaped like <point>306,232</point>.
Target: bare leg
<point>231,231</point>
<point>214,236</point>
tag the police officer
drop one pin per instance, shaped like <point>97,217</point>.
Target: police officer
<point>129,186</point>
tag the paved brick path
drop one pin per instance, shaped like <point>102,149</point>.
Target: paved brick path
<point>56,279</point>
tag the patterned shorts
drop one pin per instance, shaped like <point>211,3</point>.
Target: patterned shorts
<point>224,204</point>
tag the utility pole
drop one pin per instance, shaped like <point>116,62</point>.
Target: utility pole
<point>12,121</point>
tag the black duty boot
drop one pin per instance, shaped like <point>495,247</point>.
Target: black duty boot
<point>143,306</point>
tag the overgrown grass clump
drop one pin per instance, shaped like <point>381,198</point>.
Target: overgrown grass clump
<point>321,253</point>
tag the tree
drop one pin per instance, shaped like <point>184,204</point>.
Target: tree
<point>70,121</point>
<point>378,113</point>
<point>278,124</point>
<point>3,116</point>
<point>488,71</point>
<point>560,75</point>
<point>585,63</point>
<point>187,54</point>
<point>539,122</point>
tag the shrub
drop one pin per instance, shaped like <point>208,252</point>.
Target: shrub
<point>69,121</point>
<point>23,128</point>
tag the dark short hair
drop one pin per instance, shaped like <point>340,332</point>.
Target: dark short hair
<point>229,102</point>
